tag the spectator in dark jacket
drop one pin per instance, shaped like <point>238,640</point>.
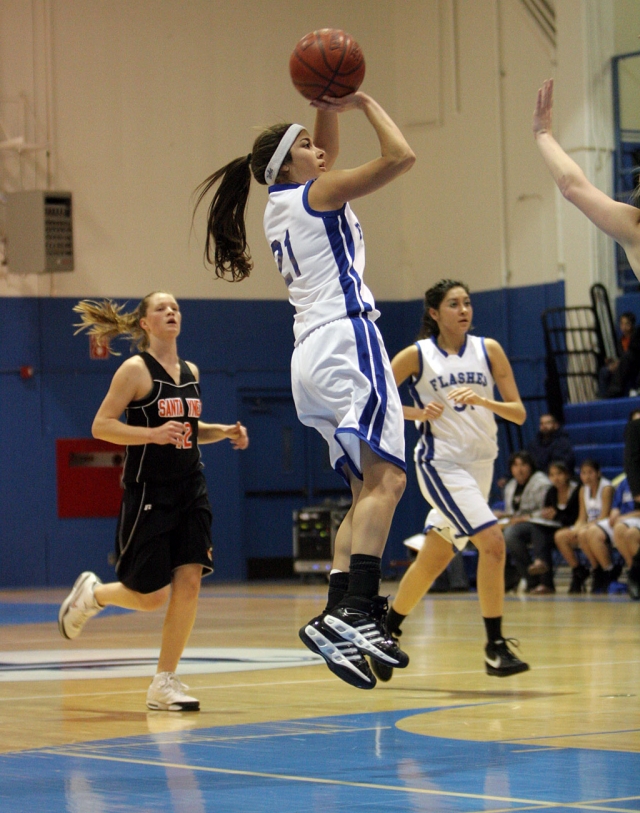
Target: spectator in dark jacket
<point>550,444</point>
<point>625,371</point>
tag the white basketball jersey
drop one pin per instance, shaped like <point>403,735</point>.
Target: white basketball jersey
<point>464,433</point>
<point>321,257</point>
<point>593,502</point>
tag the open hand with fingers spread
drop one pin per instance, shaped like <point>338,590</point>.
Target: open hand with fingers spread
<point>544,107</point>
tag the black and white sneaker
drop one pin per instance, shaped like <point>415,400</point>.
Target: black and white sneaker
<point>367,631</point>
<point>341,656</point>
<point>633,583</point>
<point>383,671</point>
<point>500,660</point>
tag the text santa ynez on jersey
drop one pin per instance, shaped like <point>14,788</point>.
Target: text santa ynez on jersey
<point>176,407</point>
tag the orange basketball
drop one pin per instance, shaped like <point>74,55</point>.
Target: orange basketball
<point>327,62</point>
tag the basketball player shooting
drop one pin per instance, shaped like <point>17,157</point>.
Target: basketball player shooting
<point>341,376</point>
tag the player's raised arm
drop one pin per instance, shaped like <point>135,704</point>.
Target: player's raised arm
<point>333,189</point>
<point>618,220</point>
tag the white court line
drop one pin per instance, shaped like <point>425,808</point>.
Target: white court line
<point>531,804</point>
<point>61,752</point>
<point>397,676</point>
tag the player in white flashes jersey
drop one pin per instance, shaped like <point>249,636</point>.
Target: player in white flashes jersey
<point>452,378</point>
<point>341,377</point>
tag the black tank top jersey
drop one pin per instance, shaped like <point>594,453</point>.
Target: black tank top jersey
<point>167,401</point>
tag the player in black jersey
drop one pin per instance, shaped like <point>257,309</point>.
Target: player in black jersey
<point>163,541</point>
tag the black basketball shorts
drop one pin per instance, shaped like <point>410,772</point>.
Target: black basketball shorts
<point>160,528</point>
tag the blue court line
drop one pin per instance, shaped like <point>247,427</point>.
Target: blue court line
<point>359,762</point>
<point>28,613</point>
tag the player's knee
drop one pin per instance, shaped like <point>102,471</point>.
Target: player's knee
<point>491,544</point>
<point>188,580</point>
<point>154,601</point>
<point>585,538</point>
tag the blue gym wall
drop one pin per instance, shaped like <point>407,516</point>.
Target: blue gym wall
<point>238,346</point>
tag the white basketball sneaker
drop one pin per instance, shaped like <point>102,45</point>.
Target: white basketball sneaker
<point>79,606</point>
<point>167,693</point>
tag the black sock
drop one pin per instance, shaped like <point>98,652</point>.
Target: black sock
<point>338,585</point>
<point>364,576</point>
<point>494,628</point>
<point>394,620</point>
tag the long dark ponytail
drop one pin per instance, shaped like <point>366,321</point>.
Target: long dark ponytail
<point>226,247</point>
<point>433,299</point>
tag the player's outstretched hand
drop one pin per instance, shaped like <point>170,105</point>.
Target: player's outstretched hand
<point>237,434</point>
<point>544,107</point>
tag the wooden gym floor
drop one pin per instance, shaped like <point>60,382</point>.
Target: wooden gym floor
<point>278,732</point>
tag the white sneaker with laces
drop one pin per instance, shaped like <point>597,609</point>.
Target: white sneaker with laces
<point>167,693</point>
<point>79,606</point>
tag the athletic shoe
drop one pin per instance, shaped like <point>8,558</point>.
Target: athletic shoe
<point>341,656</point>
<point>543,590</point>
<point>579,575</point>
<point>79,606</point>
<point>537,568</point>
<point>367,631</point>
<point>500,660</point>
<point>601,579</point>
<point>383,671</point>
<point>167,693</point>
<point>633,583</point>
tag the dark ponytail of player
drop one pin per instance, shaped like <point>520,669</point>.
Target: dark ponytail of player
<point>105,320</point>
<point>226,246</point>
<point>433,299</point>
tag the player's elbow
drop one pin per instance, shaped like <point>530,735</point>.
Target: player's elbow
<point>521,415</point>
<point>97,429</point>
<point>570,187</point>
<point>408,159</point>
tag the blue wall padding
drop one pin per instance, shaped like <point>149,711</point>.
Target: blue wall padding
<point>239,346</point>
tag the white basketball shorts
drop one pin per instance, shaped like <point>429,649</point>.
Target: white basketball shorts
<point>458,498</point>
<point>343,386</point>
<point>604,525</point>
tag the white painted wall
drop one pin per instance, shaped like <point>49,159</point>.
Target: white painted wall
<point>142,99</point>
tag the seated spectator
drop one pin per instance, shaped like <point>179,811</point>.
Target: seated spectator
<point>523,497</point>
<point>595,498</point>
<point>560,510</point>
<point>550,444</point>
<point>626,538</point>
<point>596,540</point>
<point>621,375</point>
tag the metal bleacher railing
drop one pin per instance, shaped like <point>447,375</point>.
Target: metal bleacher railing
<point>577,340</point>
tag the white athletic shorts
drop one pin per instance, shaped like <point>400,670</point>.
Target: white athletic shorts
<point>458,496</point>
<point>608,530</point>
<point>343,386</point>
<point>630,522</point>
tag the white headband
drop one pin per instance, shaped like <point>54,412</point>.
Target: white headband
<point>286,142</point>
